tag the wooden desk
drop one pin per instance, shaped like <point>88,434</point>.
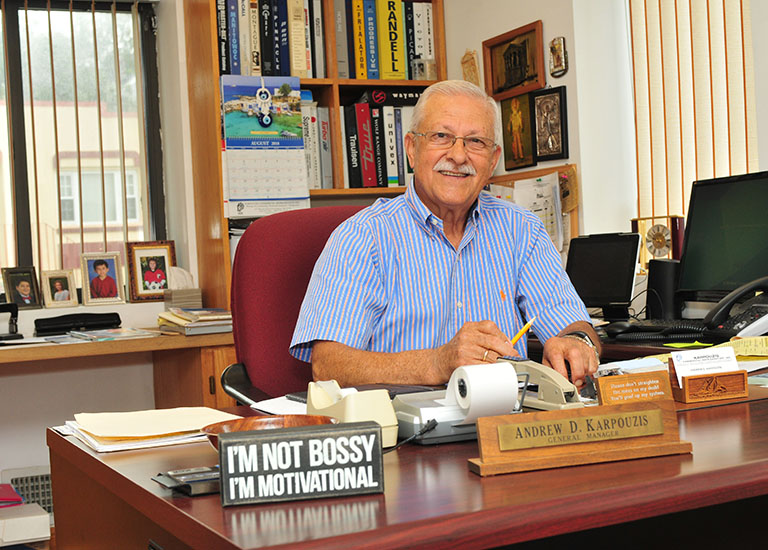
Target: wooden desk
<point>612,350</point>
<point>186,368</point>
<point>432,500</point>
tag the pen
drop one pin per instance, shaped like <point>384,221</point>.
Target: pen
<point>522,331</point>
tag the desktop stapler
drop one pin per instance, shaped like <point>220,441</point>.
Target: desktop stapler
<point>545,389</point>
<point>12,333</point>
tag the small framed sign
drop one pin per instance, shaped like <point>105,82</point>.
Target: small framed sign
<point>300,463</point>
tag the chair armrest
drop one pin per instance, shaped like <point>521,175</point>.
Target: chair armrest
<point>236,383</point>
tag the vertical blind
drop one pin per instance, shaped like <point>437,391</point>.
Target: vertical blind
<point>85,175</point>
<point>694,97</point>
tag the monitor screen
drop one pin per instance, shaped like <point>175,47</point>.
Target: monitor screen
<point>602,269</point>
<point>726,236</point>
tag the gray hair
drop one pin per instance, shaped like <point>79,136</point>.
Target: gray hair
<point>453,88</point>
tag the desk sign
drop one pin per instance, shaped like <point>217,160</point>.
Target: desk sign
<point>711,374</point>
<point>627,388</point>
<point>299,463</point>
<point>552,439</point>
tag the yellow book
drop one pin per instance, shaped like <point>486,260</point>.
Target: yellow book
<point>389,20</point>
<point>358,28</point>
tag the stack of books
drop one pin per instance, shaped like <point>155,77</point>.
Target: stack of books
<point>183,297</point>
<point>190,321</point>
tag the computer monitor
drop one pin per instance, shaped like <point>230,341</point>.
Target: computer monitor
<point>726,237</point>
<point>602,269</point>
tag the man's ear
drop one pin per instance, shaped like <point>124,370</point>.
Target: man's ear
<point>494,158</point>
<point>410,145</point>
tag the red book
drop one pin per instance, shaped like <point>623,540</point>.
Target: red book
<point>365,143</point>
<point>9,496</point>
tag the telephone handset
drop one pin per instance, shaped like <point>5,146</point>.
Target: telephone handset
<point>749,318</point>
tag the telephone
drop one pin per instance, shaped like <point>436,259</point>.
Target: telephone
<point>749,318</point>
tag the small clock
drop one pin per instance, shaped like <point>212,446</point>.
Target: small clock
<point>658,240</point>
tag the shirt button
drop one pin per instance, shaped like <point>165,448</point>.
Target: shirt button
<point>459,305</point>
<point>434,221</point>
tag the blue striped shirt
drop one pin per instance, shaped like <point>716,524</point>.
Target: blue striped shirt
<point>389,280</point>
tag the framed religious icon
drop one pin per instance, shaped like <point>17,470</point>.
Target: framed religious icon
<point>148,269</point>
<point>59,288</point>
<point>513,62</point>
<point>102,278</point>
<point>517,131</point>
<point>21,287</point>
<point>551,123</point>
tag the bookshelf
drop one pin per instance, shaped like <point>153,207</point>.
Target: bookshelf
<point>204,100</point>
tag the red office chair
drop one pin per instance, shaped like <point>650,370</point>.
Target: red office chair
<point>272,267</point>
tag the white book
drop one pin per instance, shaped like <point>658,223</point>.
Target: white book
<point>297,49</point>
<point>308,38</point>
<point>342,54</point>
<point>390,144</point>
<point>255,40</point>
<point>317,28</point>
<point>419,30</point>
<point>244,34</point>
<point>324,138</point>
<point>429,34</point>
<point>311,146</point>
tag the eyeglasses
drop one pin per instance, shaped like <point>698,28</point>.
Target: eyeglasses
<point>445,140</point>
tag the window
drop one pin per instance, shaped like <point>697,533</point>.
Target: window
<point>79,166</point>
<point>694,97</point>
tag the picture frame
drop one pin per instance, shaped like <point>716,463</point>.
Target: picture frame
<point>21,287</point>
<point>549,107</point>
<point>518,132</point>
<point>59,288</point>
<point>106,290</point>
<point>148,269</point>
<point>513,62</point>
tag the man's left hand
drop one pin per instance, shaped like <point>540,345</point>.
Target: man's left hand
<point>581,359</point>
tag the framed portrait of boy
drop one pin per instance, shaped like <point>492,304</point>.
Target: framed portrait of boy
<point>102,278</point>
<point>59,288</point>
<point>21,287</point>
<point>149,269</point>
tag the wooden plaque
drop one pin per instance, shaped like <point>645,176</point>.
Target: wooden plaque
<point>589,450</point>
<point>628,388</point>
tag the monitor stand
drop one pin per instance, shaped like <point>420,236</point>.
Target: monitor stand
<point>615,313</point>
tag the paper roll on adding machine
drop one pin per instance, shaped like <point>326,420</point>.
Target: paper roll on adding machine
<point>508,386</point>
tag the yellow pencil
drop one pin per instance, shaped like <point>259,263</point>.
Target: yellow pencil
<point>523,331</point>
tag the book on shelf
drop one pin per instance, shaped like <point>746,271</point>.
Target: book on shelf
<point>353,147</point>
<point>111,334</point>
<point>309,122</point>
<point>297,44</point>
<point>265,38</point>
<point>358,39</point>
<point>318,42</point>
<point>280,37</point>
<point>410,36</point>
<point>244,29</point>
<point>233,36</point>
<point>371,39</point>
<point>391,39</point>
<point>308,39</point>
<point>254,24</point>
<point>324,138</point>
<point>399,145</point>
<point>365,145</point>
<point>221,33</point>
<point>340,25</point>
<point>390,145</point>
<point>380,151</point>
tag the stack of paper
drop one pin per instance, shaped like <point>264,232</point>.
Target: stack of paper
<point>119,431</point>
<point>9,496</point>
<point>183,297</point>
<point>171,320</point>
<point>111,334</point>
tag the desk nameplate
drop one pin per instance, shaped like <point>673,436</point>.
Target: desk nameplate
<point>662,438</point>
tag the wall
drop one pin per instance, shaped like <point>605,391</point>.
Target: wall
<point>759,10</point>
<point>601,135</point>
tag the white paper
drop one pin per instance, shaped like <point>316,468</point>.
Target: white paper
<point>703,361</point>
<point>542,197</point>
<point>280,405</point>
<point>150,423</point>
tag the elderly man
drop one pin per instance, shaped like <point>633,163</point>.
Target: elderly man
<point>411,288</point>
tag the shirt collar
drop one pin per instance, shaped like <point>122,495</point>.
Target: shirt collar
<point>424,215</point>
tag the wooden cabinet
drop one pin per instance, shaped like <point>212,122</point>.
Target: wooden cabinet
<point>204,101</point>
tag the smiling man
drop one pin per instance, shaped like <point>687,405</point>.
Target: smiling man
<point>411,288</point>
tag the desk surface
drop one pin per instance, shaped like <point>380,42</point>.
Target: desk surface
<point>40,352</point>
<point>430,495</point>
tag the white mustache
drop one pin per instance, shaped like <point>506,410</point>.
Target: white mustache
<point>445,165</point>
